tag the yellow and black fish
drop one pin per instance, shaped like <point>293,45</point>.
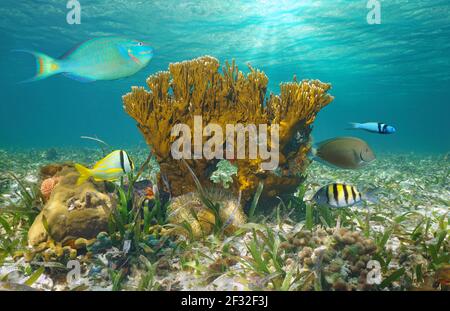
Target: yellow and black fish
<point>110,168</point>
<point>341,195</point>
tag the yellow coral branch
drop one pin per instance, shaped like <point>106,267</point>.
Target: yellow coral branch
<point>196,87</point>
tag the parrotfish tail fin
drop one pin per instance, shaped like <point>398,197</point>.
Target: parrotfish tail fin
<point>371,195</point>
<point>353,126</point>
<point>85,173</point>
<point>45,66</point>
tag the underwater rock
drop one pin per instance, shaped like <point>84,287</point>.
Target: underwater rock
<point>51,170</point>
<point>72,211</point>
<point>197,88</point>
<point>189,209</point>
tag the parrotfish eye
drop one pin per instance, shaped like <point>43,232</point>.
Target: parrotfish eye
<point>140,43</point>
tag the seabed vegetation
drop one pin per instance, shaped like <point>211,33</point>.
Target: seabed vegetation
<point>296,247</point>
<point>219,225</point>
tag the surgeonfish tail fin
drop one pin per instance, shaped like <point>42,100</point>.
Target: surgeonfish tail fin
<point>45,66</point>
<point>353,126</point>
<point>371,195</point>
<point>85,173</point>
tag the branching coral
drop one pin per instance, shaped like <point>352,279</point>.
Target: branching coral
<point>197,88</point>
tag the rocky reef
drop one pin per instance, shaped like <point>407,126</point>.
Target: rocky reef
<point>71,211</point>
<point>197,88</point>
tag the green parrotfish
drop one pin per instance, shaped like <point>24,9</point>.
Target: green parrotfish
<point>107,58</point>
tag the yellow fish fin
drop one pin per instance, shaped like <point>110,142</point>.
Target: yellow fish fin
<point>84,172</point>
<point>113,171</point>
<point>102,161</point>
<point>102,179</point>
<point>106,173</point>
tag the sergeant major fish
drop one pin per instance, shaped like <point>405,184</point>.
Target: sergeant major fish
<point>338,195</point>
<point>107,58</point>
<point>374,127</point>
<point>343,152</point>
<point>110,168</point>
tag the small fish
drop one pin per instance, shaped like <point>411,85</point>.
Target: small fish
<point>341,195</point>
<point>374,127</point>
<point>344,152</point>
<point>108,58</point>
<point>110,168</point>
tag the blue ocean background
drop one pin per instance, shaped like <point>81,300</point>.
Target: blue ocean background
<point>397,72</point>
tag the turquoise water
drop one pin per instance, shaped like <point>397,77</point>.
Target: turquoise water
<point>397,72</point>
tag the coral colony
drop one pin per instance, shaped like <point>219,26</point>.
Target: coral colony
<point>196,88</point>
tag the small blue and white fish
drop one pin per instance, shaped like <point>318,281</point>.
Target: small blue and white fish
<point>110,168</point>
<point>108,58</point>
<point>374,127</point>
<point>339,195</point>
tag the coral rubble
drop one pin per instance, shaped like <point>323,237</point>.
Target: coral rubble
<point>197,88</point>
<point>340,256</point>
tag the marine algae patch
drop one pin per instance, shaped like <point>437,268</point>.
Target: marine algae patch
<point>197,88</point>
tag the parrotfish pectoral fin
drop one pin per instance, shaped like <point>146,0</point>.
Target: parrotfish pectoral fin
<point>85,173</point>
<point>45,66</point>
<point>128,55</point>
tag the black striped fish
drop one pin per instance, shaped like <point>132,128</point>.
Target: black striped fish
<point>110,168</point>
<point>341,195</point>
<point>374,127</point>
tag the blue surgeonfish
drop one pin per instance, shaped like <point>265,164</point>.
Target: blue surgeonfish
<point>107,58</point>
<point>374,127</point>
<point>110,168</point>
<point>337,195</point>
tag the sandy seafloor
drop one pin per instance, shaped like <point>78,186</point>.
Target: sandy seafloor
<point>406,182</point>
